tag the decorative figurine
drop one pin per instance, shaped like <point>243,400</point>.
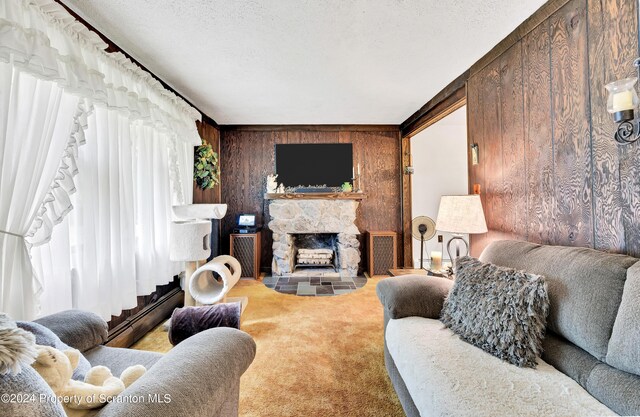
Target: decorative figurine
<point>272,184</point>
<point>280,189</point>
<point>347,187</point>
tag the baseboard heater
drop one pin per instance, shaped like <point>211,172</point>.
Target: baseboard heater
<point>135,327</point>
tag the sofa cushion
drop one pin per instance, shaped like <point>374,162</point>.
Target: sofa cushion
<point>413,295</point>
<point>624,345</point>
<point>118,359</point>
<point>447,376</point>
<point>617,389</point>
<point>568,359</point>
<point>79,329</point>
<point>614,388</point>
<point>499,310</point>
<point>46,337</point>
<point>585,287</point>
<point>32,396</point>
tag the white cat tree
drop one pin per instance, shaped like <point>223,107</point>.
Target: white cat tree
<point>190,237</point>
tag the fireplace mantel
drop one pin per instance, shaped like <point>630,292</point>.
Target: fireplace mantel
<point>315,196</point>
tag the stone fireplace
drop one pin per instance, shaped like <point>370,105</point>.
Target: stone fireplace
<point>294,221</point>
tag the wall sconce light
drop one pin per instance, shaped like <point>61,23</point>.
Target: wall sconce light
<point>622,103</point>
<point>475,154</point>
<point>409,170</point>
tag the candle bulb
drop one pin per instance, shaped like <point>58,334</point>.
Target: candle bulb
<point>623,98</point>
<point>358,169</point>
<point>622,101</point>
<point>353,173</point>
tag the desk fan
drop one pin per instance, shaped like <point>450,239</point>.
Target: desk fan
<point>423,228</point>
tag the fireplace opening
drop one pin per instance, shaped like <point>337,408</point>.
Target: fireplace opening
<point>315,250</point>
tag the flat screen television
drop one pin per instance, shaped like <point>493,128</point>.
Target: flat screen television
<point>314,165</point>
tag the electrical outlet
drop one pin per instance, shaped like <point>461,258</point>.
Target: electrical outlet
<point>439,238</point>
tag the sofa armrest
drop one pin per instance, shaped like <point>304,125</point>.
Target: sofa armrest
<point>79,329</point>
<point>198,377</point>
<point>413,295</point>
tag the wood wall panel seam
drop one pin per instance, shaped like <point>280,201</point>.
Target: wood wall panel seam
<point>572,158</point>
<point>590,118</point>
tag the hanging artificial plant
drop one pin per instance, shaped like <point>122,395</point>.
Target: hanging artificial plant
<point>206,170</point>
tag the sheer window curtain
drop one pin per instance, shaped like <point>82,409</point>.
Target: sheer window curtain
<point>36,121</point>
<point>114,245</point>
<point>55,72</point>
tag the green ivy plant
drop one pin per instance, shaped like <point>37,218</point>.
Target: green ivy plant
<point>206,170</point>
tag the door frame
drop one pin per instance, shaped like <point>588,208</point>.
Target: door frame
<point>434,111</point>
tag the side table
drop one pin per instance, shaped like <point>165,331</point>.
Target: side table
<point>410,271</point>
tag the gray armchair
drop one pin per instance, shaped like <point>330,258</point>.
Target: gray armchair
<point>199,377</point>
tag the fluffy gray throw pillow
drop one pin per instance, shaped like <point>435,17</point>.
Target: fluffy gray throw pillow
<point>17,347</point>
<point>500,310</point>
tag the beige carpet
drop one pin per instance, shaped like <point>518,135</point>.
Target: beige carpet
<point>316,356</point>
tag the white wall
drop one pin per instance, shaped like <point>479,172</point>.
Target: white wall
<point>440,160</point>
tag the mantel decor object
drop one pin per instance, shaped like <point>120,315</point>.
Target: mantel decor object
<point>272,183</point>
<point>458,215</point>
<point>356,180</point>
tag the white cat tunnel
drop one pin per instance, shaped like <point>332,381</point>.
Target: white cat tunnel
<point>206,289</point>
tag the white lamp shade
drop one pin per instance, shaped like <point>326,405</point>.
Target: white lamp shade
<point>190,240</point>
<point>461,214</point>
<point>200,211</point>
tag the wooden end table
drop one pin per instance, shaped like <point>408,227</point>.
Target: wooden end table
<point>410,271</point>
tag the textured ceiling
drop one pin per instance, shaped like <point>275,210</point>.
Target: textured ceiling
<point>304,61</point>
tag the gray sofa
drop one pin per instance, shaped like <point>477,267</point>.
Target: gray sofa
<point>198,377</point>
<point>591,359</point>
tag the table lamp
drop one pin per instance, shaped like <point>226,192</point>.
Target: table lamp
<point>460,214</point>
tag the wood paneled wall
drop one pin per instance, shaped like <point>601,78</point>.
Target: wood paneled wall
<point>247,157</point>
<point>550,170</point>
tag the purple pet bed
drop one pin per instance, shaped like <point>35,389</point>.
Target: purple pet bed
<point>187,321</point>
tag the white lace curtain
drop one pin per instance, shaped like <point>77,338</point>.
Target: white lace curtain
<point>83,94</point>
